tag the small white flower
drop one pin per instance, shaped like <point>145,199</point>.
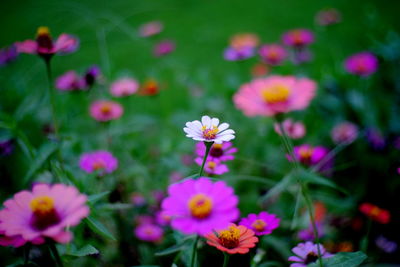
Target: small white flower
<point>209,130</point>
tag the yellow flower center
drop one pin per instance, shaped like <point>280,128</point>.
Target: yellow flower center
<point>259,225</point>
<point>305,153</point>
<point>43,31</point>
<point>210,133</point>
<point>217,146</point>
<point>211,164</point>
<point>105,108</point>
<point>42,205</point>
<point>200,206</point>
<point>44,212</point>
<point>230,238</point>
<point>98,165</point>
<point>375,211</point>
<point>275,94</point>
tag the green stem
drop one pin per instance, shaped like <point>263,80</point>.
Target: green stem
<point>208,147</point>
<point>54,253</point>
<point>27,249</point>
<point>52,98</point>
<point>226,259</point>
<point>194,250</point>
<point>364,245</point>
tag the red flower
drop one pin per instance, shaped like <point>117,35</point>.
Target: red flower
<point>375,213</point>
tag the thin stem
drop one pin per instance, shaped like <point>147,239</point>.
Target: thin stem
<point>226,259</point>
<point>52,99</point>
<point>208,147</point>
<point>54,253</point>
<point>364,245</point>
<point>27,249</point>
<point>194,250</point>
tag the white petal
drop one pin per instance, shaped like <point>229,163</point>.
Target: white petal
<point>223,126</point>
<point>229,131</point>
<point>226,138</point>
<point>214,122</point>
<point>206,121</point>
<point>197,124</point>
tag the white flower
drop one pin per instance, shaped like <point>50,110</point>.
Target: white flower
<point>209,130</point>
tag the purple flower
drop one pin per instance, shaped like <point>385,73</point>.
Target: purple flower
<point>212,166</point>
<point>313,157</point>
<point>149,232</point>
<point>69,81</point>
<point>92,75</point>
<point>344,133</point>
<point>386,245</point>
<point>164,48</point>
<point>293,129</point>
<point>262,224</point>
<point>298,38</point>
<point>328,16</point>
<point>8,55</point>
<point>308,234</point>
<point>307,253</point>
<point>221,152</point>
<point>102,161</point>
<point>236,54</point>
<point>361,64</point>
<point>272,54</point>
<point>6,147</point>
<point>376,138</point>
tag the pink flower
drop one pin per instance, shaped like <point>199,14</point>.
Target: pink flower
<point>274,94</point>
<point>294,130</point>
<point>298,38</point>
<point>221,152</point>
<point>138,199</point>
<point>102,161</point>
<point>328,17</point>
<point>241,53</point>
<point>212,166</point>
<point>361,64</point>
<point>149,232</point>
<point>307,253</point>
<point>200,206</point>
<point>151,28</point>
<point>44,212</point>
<point>162,218</point>
<point>309,155</point>
<point>272,54</point>
<point>44,45</point>
<point>124,87</point>
<point>13,241</point>
<point>262,223</point>
<point>104,110</point>
<point>164,48</point>
<point>241,40</point>
<point>69,81</point>
<point>344,133</point>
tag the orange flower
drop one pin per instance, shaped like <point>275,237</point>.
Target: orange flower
<point>150,87</point>
<point>234,239</point>
<point>375,213</point>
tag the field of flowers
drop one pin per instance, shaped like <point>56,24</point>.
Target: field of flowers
<point>200,133</point>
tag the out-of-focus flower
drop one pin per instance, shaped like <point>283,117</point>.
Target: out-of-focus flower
<point>200,206</point>
<point>45,212</point>
<point>262,224</point>
<point>307,253</point>
<point>124,87</point>
<point>8,55</point>
<point>308,233</point>
<point>272,54</point>
<point>11,241</point>
<point>221,152</point>
<point>385,244</point>
<point>175,177</point>
<point>212,166</point>
<point>162,218</point>
<point>361,64</point>
<point>150,28</point>
<point>138,199</point>
<point>149,232</point>
<point>259,69</point>
<point>150,87</point>
<point>241,40</point>
<point>209,130</point>
<point>298,38</point>
<point>344,133</point>
<point>92,75</point>
<point>312,156</point>
<point>375,138</point>
<point>319,211</point>
<point>144,219</point>
<point>164,48</point>
<point>44,45</point>
<point>102,161</point>
<point>104,110</point>
<point>235,54</point>
<point>294,130</point>
<point>328,16</point>
<point>274,94</point>
<point>6,147</point>
<point>375,213</point>
<point>345,246</point>
<point>234,239</point>
<point>69,81</point>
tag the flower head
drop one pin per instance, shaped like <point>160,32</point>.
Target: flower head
<point>221,152</point>
<point>8,55</point>
<point>212,166</point>
<point>240,53</point>
<point>104,110</point>
<point>272,54</point>
<point>385,244</point>
<point>234,239</point>
<point>308,233</point>
<point>328,16</point>
<point>294,130</point>
<point>209,130</point>
<point>124,87</point>
<point>262,224</point>
<point>164,48</point>
<point>307,253</point>
<point>150,87</point>
<point>241,40</point>
<point>6,147</point>
<point>344,133</point>
<point>200,206</point>
<point>69,81</point>
<point>298,38</point>
<point>92,75</point>
<point>361,64</point>
<point>274,94</point>
<point>375,213</point>
<point>311,156</point>
<point>149,232</point>
<point>102,161</point>
<point>44,212</point>
<point>151,28</point>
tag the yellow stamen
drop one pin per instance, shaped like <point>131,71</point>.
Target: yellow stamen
<point>305,152</point>
<point>259,225</point>
<point>211,164</point>
<point>210,133</point>
<point>276,94</point>
<point>217,146</point>
<point>98,165</point>
<point>200,206</point>
<point>43,31</point>
<point>105,108</point>
<point>230,238</point>
<point>42,205</point>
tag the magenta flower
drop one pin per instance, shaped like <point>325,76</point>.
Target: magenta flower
<point>151,28</point>
<point>102,161</point>
<point>8,55</point>
<point>262,223</point>
<point>44,45</point>
<point>11,241</point>
<point>44,212</point>
<point>294,130</point>
<point>344,133</point>
<point>162,218</point>
<point>69,81</point>
<point>274,94</point>
<point>124,87</point>
<point>164,48</point>
<point>298,38</point>
<point>309,155</point>
<point>138,199</point>
<point>240,53</point>
<point>200,206</point>
<point>272,54</point>
<point>307,253</point>
<point>149,232</point>
<point>361,64</point>
<point>221,152</point>
<point>104,110</point>
<point>92,75</point>
<point>212,166</point>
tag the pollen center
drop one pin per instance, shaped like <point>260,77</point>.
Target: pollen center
<point>209,134</point>
<point>276,94</point>
<point>42,205</point>
<point>216,151</point>
<point>211,164</point>
<point>105,108</point>
<point>259,225</point>
<point>44,213</point>
<point>200,206</point>
<point>230,238</point>
<point>97,165</point>
<point>311,257</point>
<point>305,153</point>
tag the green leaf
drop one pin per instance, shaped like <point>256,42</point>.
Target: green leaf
<point>96,197</point>
<point>343,259</point>
<point>278,245</point>
<point>279,187</point>
<point>98,228</point>
<point>84,251</point>
<point>314,178</point>
<point>175,248</point>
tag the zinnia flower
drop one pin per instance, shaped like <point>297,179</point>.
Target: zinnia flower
<point>375,213</point>
<point>124,87</point>
<point>313,156</point>
<point>44,45</point>
<point>13,241</point>
<point>294,130</point>
<point>150,87</point>
<point>241,40</point>
<point>275,94</point>
<point>221,152</point>
<point>151,28</point>
<point>104,110</point>
<point>8,55</point>
<point>102,161</point>
<point>212,166</point>
<point>241,53</point>
<point>234,239</point>
<point>344,133</point>
<point>272,54</point>
<point>200,206</point>
<point>149,232</point>
<point>44,212</point>
<point>308,233</point>
<point>385,244</point>
<point>164,48</point>
<point>328,17</point>
<point>209,130</point>
<point>69,81</point>
<point>92,75</point>
<point>361,64</point>
<point>307,253</point>
<point>298,38</point>
<point>262,224</point>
